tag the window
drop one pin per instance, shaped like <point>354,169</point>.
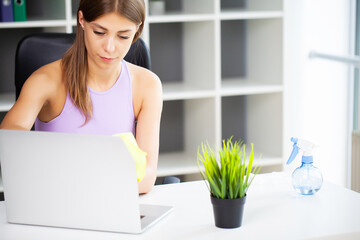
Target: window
<point>356,71</point>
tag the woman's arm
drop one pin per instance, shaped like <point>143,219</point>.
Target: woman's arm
<point>148,107</point>
<point>34,94</point>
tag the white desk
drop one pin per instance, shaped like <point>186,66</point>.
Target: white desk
<point>273,211</point>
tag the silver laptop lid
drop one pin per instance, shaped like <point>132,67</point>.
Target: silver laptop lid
<point>69,180</point>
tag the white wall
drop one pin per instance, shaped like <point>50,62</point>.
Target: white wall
<point>316,90</point>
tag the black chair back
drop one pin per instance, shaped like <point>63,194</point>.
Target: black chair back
<point>37,50</point>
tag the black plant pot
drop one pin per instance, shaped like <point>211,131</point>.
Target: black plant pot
<point>228,213</point>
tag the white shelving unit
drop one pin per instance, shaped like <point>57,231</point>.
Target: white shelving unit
<point>220,62</point>
<point>230,80</point>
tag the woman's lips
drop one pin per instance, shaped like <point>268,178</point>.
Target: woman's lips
<point>105,59</point>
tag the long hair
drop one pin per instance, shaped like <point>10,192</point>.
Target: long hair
<point>74,62</point>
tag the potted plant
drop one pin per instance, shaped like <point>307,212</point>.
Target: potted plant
<point>228,177</point>
<point>157,7</point>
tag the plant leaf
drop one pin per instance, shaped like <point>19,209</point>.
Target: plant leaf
<point>230,175</point>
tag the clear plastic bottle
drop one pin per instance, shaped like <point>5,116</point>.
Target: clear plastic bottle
<point>306,179</point>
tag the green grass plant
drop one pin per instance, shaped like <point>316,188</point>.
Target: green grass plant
<point>229,176</point>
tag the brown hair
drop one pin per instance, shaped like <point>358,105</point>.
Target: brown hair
<point>74,62</point>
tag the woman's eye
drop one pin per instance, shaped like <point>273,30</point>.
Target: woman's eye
<point>124,37</point>
<point>99,33</point>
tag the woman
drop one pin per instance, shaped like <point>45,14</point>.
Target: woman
<point>92,90</point>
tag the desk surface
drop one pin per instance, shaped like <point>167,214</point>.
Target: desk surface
<point>273,211</point>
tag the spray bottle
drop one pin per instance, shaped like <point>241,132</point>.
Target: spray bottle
<point>306,179</point>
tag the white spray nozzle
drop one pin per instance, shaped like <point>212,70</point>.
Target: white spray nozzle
<point>305,146</point>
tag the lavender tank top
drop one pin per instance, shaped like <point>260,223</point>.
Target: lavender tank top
<point>112,111</point>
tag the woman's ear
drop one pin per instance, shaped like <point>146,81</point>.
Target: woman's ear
<point>81,18</point>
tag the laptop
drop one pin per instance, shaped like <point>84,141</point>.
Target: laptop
<point>72,181</point>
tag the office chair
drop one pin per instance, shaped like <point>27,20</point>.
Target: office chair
<point>36,50</point>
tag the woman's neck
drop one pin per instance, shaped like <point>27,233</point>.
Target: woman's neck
<point>102,79</point>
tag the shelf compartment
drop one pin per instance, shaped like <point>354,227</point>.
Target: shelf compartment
<point>74,7</point>
<point>186,7</point>
<point>185,124</point>
<point>45,9</point>
<point>252,60</point>
<point>233,87</point>
<point>180,59</point>
<point>251,5</point>
<point>255,119</point>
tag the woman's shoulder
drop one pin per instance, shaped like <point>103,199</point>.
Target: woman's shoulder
<point>46,82</point>
<point>51,71</point>
<point>48,75</point>
<point>146,88</point>
<point>143,77</point>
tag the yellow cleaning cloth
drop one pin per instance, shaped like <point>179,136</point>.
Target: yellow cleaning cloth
<point>138,154</point>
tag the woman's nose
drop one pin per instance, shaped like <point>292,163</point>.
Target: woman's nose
<point>110,44</point>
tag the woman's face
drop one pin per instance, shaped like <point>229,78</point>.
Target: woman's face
<point>108,38</point>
